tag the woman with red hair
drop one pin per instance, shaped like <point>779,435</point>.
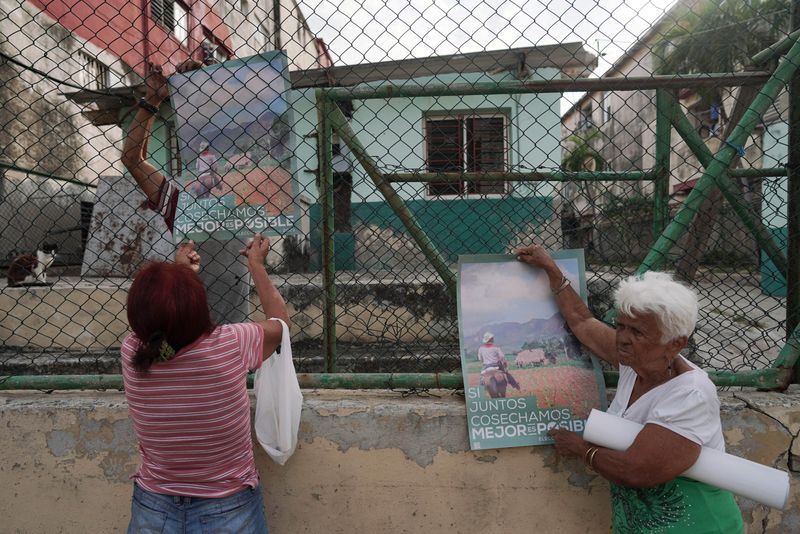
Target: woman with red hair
<point>185,382</point>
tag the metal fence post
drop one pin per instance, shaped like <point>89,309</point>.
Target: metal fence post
<point>793,194</point>
<point>663,147</point>
<point>325,162</point>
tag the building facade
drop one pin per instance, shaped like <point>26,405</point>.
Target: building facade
<point>621,127</point>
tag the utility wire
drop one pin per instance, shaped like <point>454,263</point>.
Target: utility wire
<point>51,78</point>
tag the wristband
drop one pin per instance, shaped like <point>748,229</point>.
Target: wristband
<point>147,106</point>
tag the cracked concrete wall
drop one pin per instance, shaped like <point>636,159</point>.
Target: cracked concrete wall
<point>371,462</point>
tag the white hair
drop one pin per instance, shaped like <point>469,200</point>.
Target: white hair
<point>673,304</point>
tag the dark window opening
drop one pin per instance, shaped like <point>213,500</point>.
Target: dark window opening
<point>342,191</point>
<point>466,144</point>
<point>172,15</point>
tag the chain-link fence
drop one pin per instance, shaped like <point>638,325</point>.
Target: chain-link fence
<point>651,134</point>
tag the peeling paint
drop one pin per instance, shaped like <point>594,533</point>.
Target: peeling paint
<point>114,443</point>
<point>419,437</point>
<point>581,479</point>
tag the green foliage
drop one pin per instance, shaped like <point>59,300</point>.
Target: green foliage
<point>625,207</point>
<point>721,35</point>
<point>582,152</point>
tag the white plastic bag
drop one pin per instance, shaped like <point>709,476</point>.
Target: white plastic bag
<point>278,402</point>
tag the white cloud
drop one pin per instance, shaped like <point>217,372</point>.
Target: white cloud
<point>506,292</point>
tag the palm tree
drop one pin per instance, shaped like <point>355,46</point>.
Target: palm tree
<point>718,36</point>
<point>581,156</point>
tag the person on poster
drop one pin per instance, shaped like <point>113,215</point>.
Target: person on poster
<point>493,360</point>
<point>490,355</point>
<point>208,177</point>
<point>673,398</point>
<point>224,276</point>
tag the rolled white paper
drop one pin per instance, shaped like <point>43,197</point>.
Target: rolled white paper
<point>749,479</point>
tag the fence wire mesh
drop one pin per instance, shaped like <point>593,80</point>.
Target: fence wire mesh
<point>71,74</point>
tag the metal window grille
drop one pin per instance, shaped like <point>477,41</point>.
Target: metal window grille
<point>93,74</point>
<point>466,144</point>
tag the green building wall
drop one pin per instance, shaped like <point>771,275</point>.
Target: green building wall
<point>392,131</point>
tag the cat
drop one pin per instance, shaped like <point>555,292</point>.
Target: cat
<point>30,270</point>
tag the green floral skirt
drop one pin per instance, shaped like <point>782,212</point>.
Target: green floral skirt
<point>679,506</point>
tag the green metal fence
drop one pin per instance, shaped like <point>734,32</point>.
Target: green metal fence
<point>488,130</point>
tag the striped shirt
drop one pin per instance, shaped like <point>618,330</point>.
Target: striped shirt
<point>191,414</point>
<point>167,203</point>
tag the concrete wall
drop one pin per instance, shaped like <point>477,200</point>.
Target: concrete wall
<point>371,462</point>
<point>89,313</point>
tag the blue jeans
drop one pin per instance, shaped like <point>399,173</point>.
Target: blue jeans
<point>240,513</point>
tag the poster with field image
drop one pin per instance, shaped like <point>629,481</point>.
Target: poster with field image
<point>524,371</point>
<point>235,142</point>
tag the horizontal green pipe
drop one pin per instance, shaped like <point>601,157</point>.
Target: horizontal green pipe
<point>11,166</point>
<point>754,172</point>
<point>381,380</point>
<point>60,382</point>
<point>764,379</point>
<point>551,176</point>
<point>560,176</point>
<point>412,89</point>
<point>776,49</point>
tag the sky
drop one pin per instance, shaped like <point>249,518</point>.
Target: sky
<point>511,291</point>
<point>358,31</point>
<point>222,95</point>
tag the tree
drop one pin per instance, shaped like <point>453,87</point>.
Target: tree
<point>581,156</point>
<point>718,36</point>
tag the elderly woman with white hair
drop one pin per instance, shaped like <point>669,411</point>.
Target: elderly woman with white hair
<point>673,398</point>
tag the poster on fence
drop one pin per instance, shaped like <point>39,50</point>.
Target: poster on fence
<point>524,371</point>
<point>234,130</point>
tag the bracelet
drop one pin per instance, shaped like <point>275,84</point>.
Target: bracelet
<point>589,451</point>
<point>591,458</point>
<point>564,284</point>
<point>147,106</point>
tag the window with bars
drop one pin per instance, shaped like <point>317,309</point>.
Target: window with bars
<point>213,50</point>
<point>93,74</point>
<point>466,143</point>
<point>586,119</point>
<point>172,15</point>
